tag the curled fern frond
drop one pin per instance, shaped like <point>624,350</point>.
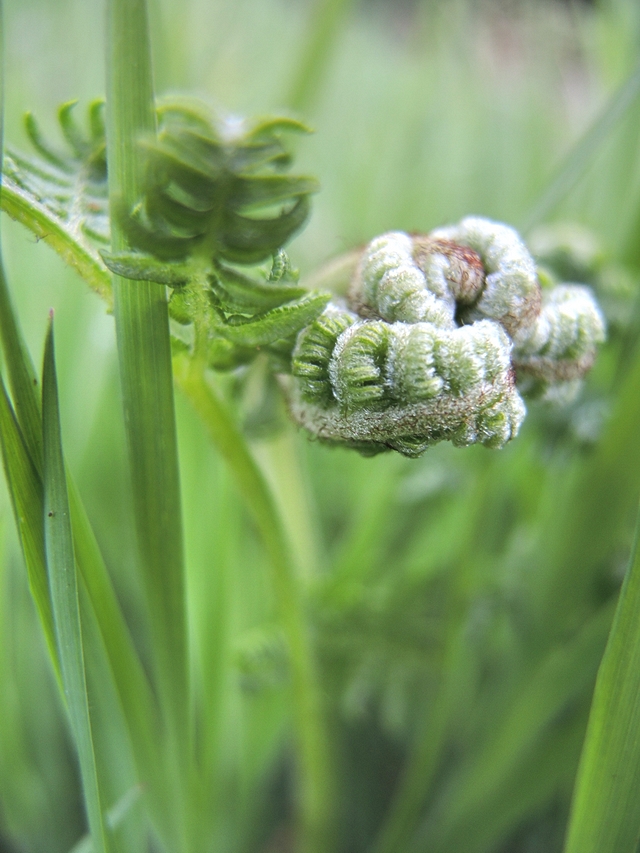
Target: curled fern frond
<point>217,193</point>
<point>439,334</point>
<point>437,331</point>
<point>71,182</point>
<point>61,193</point>
<point>216,198</point>
<point>218,188</point>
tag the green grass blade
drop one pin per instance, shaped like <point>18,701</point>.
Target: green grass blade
<point>64,595</point>
<point>576,162</point>
<point>605,815</point>
<point>25,487</point>
<point>134,693</point>
<point>21,437</point>
<point>21,441</point>
<point>114,817</point>
<point>23,466</point>
<point>142,329</point>
<point>22,453</point>
<point>22,374</point>
<point>22,446</point>
<point>132,684</point>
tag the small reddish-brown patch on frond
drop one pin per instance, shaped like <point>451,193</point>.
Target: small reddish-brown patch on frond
<point>466,272</point>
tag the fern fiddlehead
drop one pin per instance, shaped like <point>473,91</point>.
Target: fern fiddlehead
<point>438,338</point>
<point>217,200</point>
<point>436,333</point>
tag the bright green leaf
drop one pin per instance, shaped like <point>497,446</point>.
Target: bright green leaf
<point>605,815</point>
<point>61,567</point>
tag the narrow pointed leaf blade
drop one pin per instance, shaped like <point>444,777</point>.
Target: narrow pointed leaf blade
<point>130,679</point>
<point>21,443</point>
<point>25,488</point>
<point>22,375</point>
<point>605,815</point>
<point>64,596</point>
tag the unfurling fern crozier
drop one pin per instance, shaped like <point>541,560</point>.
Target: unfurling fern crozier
<point>437,335</point>
<point>440,334</point>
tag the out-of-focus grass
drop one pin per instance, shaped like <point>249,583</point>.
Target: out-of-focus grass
<point>447,593</point>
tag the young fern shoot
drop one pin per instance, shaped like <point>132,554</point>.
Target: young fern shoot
<point>440,336</point>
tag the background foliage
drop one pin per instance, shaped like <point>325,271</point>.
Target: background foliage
<point>460,603</point>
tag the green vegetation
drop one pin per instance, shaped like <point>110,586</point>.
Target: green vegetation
<point>215,633</point>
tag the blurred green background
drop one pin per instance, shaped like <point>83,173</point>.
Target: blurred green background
<point>460,602</point>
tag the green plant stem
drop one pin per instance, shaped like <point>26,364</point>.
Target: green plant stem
<point>312,743</point>
<point>142,330</point>
<point>144,354</point>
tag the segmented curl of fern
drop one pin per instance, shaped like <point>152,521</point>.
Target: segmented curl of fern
<point>436,332</point>
<point>218,187</point>
<point>438,337</point>
<point>217,198</point>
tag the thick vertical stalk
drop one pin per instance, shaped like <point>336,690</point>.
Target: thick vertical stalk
<point>145,369</point>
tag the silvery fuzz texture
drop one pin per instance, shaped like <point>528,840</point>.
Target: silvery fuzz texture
<point>438,333</point>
